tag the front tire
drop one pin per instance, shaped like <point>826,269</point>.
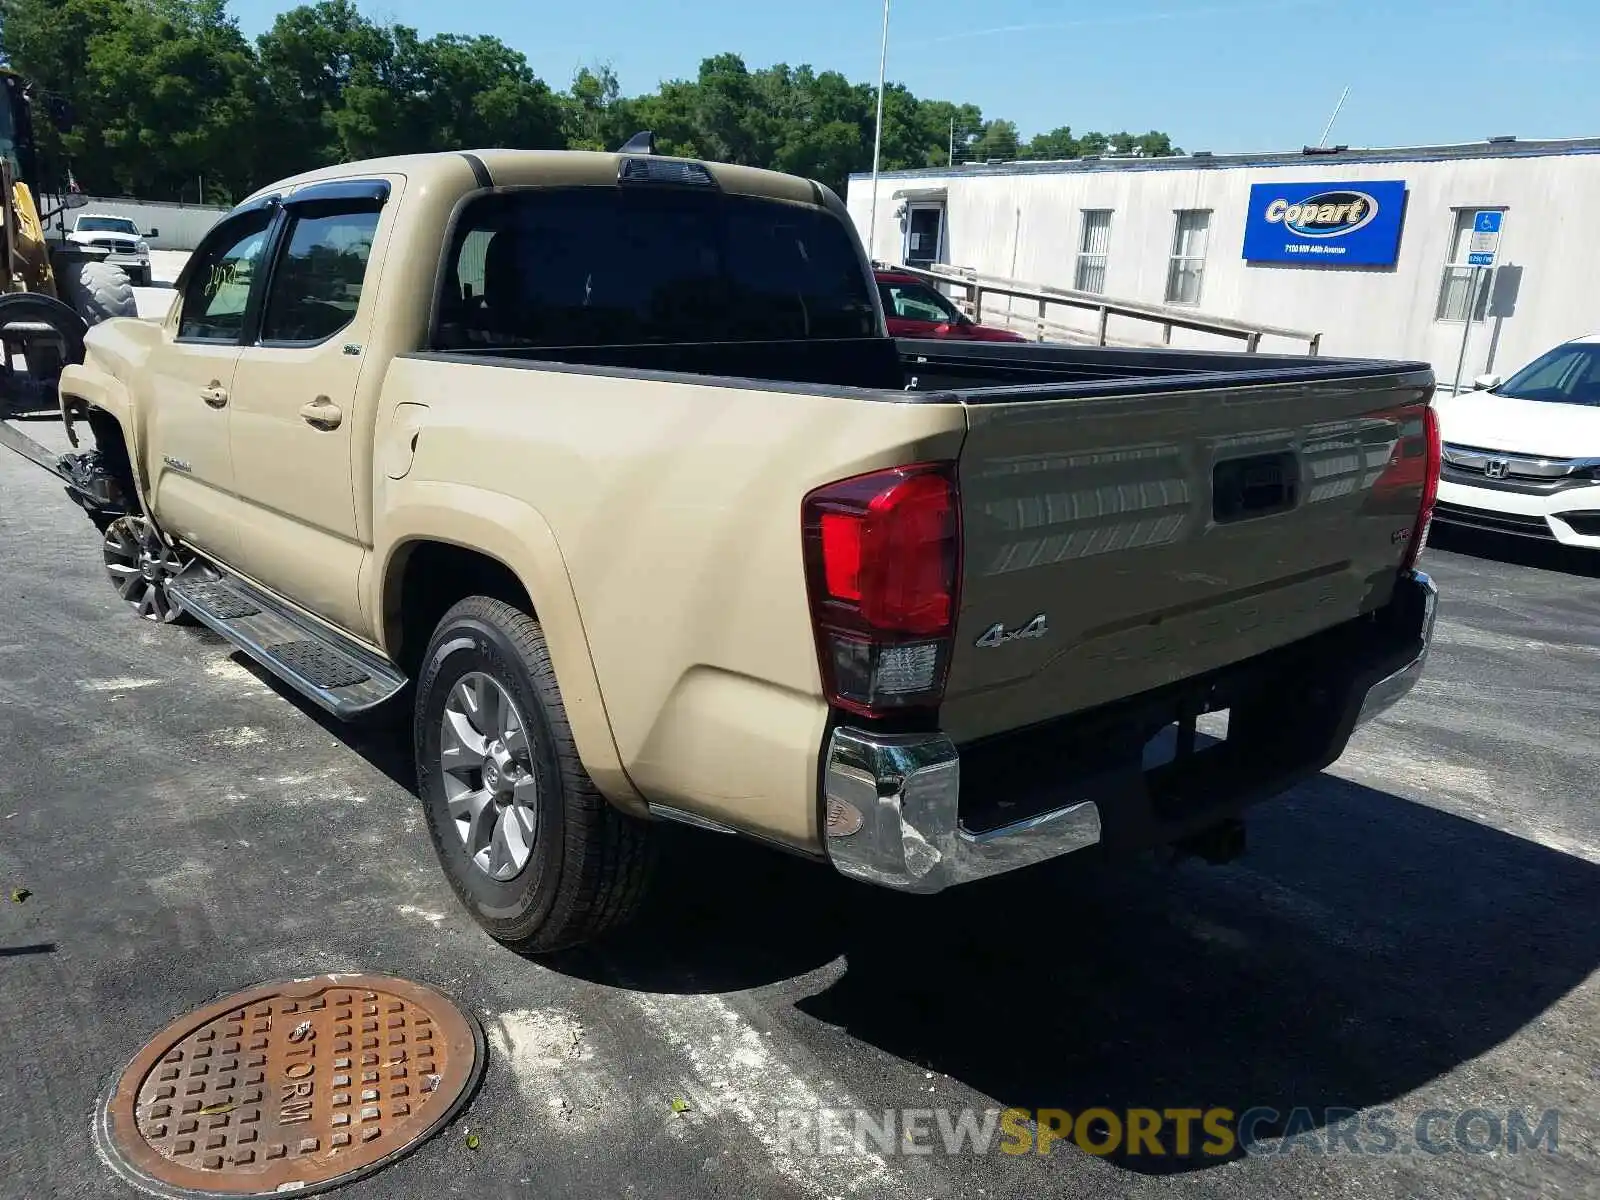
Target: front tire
<point>539,857</point>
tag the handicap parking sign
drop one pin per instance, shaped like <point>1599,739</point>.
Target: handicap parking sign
<point>1485,238</point>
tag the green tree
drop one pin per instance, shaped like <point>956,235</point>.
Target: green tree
<point>998,140</point>
<point>477,91</point>
<point>825,125</point>
<point>669,113</point>
<point>733,123</point>
<point>168,91</point>
<point>944,123</point>
<point>345,87</point>
<point>163,91</point>
<point>592,110</point>
<point>1149,145</point>
<point>1058,143</point>
<point>324,67</point>
<point>1155,145</point>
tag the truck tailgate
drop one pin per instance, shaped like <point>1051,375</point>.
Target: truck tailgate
<point>1114,543</point>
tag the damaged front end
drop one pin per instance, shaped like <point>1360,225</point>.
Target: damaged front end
<point>96,480</point>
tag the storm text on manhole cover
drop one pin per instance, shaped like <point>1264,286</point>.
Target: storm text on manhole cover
<point>291,1087</point>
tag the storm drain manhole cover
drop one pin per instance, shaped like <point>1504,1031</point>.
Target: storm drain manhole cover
<point>291,1087</point>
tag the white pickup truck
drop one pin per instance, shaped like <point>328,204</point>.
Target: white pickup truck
<point>120,237</point>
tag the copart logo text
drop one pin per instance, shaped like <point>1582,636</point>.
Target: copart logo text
<point>1328,215</point>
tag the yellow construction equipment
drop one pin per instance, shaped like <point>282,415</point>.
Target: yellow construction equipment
<point>50,292</point>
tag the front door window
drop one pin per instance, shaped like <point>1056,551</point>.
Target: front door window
<point>216,289</point>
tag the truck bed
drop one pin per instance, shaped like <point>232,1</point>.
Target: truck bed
<point>936,369</point>
<point>1165,513</point>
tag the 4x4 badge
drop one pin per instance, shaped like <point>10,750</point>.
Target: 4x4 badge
<point>998,635</point>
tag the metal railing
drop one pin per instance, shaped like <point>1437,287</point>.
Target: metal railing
<point>980,286</point>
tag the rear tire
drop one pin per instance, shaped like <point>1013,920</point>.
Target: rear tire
<point>97,291</point>
<point>539,857</point>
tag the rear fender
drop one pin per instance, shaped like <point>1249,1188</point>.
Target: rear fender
<point>516,535</point>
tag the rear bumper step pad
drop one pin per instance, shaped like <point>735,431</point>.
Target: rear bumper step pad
<point>326,667</point>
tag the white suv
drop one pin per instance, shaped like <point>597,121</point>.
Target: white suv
<point>121,237</point>
<point>1523,456</point>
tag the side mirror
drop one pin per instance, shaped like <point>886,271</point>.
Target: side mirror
<point>154,233</point>
<point>1486,383</point>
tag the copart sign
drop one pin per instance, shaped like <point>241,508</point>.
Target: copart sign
<point>1326,224</point>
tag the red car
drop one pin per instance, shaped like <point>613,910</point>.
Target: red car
<point>916,309</point>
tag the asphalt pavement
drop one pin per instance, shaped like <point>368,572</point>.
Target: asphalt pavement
<point>1414,930</point>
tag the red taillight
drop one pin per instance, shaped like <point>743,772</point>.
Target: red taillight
<point>841,554</point>
<point>1413,467</point>
<point>1430,484</point>
<point>882,563</point>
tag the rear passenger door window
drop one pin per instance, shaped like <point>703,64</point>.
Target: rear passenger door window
<point>219,280</point>
<point>317,280</point>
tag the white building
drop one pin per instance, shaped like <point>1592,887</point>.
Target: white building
<point>1173,231</point>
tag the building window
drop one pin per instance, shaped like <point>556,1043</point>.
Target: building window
<point>1189,235</point>
<point>1094,244</point>
<point>1456,286</point>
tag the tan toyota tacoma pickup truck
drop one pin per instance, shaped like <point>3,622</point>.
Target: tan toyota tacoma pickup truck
<point>604,464</point>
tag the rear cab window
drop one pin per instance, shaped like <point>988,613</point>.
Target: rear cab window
<point>608,266</point>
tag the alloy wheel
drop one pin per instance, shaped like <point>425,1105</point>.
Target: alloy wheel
<point>141,565</point>
<point>491,788</point>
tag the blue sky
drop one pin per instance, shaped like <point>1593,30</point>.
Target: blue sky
<point>1218,75</point>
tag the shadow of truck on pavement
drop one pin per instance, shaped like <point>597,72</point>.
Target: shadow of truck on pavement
<point>1364,947</point>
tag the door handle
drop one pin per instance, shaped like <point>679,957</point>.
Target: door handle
<point>322,413</point>
<point>215,395</point>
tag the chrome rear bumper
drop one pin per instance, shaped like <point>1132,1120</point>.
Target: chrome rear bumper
<point>1386,691</point>
<point>892,801</point>
<point>892,819</point>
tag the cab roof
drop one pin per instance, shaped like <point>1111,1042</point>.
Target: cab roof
<point>459,169</point>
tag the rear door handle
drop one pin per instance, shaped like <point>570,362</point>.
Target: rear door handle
<point>215,395</point>
<point>322,413</point>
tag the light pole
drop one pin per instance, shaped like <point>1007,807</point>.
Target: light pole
<point>877,137</point>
